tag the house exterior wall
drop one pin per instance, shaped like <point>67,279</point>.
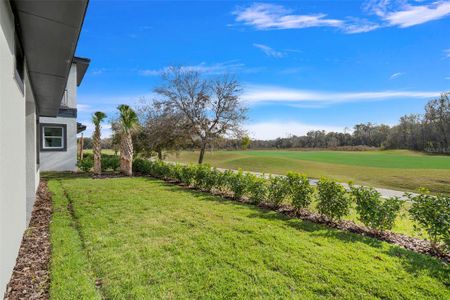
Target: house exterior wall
<point>64,160</point>
<point>71,88</point>
<point>31,140</point>
<point>13,182</point>
<point>61,160</point>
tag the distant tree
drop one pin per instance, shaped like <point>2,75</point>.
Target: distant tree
<point>115,139</point>
<point>125,126</point>
<point>437,116</point>
<point>87,142</point>
<point>97,119</point>
<point>245,142</point>
<point>106,143</point>
<point>212,108</point>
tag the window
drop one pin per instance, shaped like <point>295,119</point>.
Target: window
<point>19,65</point>
<point>53,137</point>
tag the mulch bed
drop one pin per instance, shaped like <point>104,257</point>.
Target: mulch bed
<point>31,278</point>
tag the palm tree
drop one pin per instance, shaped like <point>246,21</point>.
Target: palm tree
<point>97,119</point>
<point>128,122</point>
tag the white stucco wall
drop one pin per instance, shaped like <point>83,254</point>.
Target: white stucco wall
<point>32,167</point>
<point>12,151</point>
<point>71,87</point>
<point>61,160</point>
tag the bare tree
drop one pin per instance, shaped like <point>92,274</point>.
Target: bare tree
<point>212,108</point>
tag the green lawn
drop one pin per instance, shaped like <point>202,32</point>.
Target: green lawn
<point>144,239</point>
<point>104,151</point>
<point>396,169</point>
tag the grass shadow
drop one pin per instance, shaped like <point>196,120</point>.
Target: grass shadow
<point>64,175</point>
<point>418,264</point>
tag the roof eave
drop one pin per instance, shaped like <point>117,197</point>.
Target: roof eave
<point>49,33</point>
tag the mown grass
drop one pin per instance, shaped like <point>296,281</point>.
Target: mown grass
<point>104,151</point>
<point>70,273</point>
<point>399,169</point>
<point>145,239</point>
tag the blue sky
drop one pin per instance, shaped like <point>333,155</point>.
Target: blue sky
<point>304,65</point>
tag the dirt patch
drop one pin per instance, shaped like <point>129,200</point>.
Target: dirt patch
<point>31,277</point>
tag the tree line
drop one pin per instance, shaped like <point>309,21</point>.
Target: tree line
<point>428,132</point>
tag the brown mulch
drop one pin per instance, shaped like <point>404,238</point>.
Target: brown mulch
<point>31,278</point>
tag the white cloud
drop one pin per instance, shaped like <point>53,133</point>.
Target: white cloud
<point>265,16</point>
<point>275,129</point>
<point>106,130</point>
<point>360,27</point>
<point>447,52</point>
<point>96,72</point>
<point>84,108</point>
<point>411,15</point>
<point>396,75</point>
<point>269,51</point>
<point>211,69</point>
<point>260,94</point>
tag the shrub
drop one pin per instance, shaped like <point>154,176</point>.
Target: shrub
<point>188,174</point>
<point>257,188</point>
<point>110,162</point>
<point>114,163</point>
<point>202,174</point>
<point>86,164</point>
<point>278,189</point>
<point>213,180</point>
<point>142,166</point>
<point>301,190</point>
<point>159,169</point>
<point>177,172</point>
<point>236,182</point>
<point>432,213</point>
<point>334,202</point>
<point>373,211</point>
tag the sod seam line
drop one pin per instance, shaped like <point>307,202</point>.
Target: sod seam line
<point>77,226</point>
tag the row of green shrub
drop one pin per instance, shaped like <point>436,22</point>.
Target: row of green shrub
<point>333,201</point>
<point>109,162</point>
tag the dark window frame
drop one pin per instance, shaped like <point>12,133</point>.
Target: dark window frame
<point>64,137</point>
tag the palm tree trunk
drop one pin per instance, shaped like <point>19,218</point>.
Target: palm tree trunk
<point>97,152</point>
<point>81,146</point>
<point>126,154</point>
